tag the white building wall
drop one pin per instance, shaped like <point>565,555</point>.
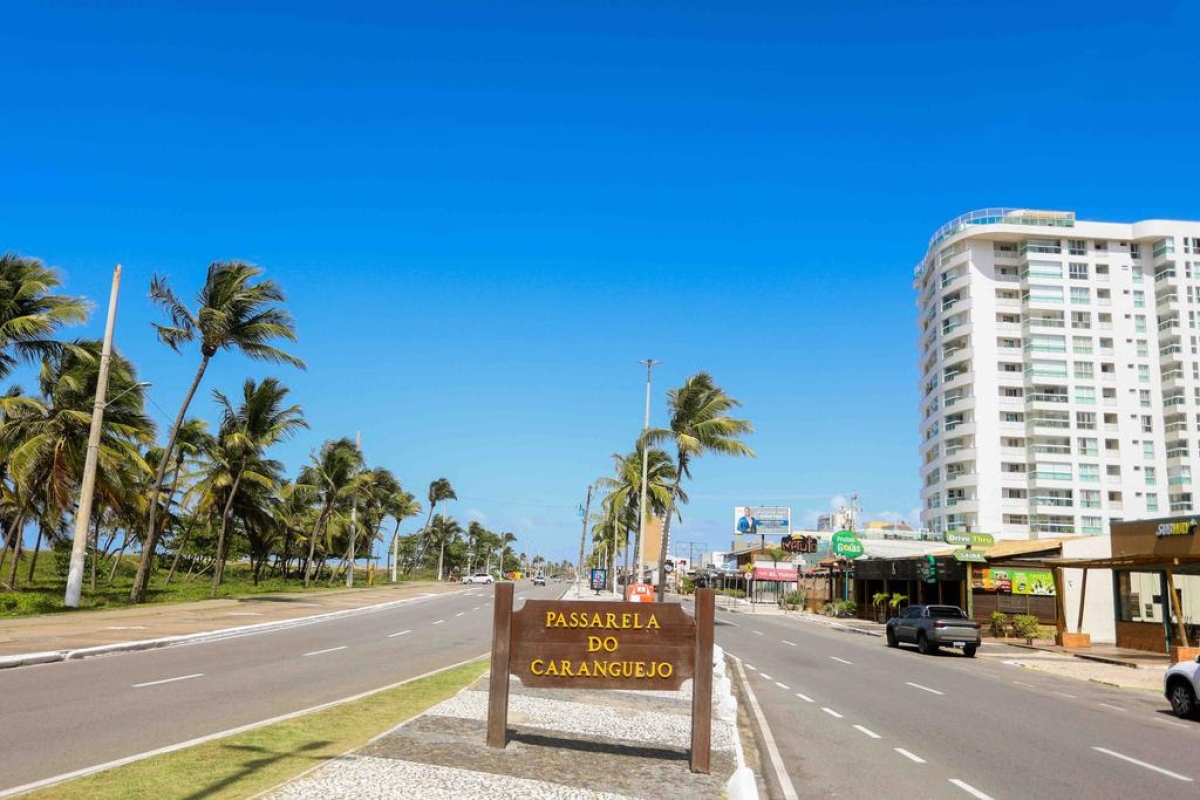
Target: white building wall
<point>1098,613</point>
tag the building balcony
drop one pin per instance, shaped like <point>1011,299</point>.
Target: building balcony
<point>967,505</point>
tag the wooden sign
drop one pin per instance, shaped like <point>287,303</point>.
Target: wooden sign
<point>603,645</point>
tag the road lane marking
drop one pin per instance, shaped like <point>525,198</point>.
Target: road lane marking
<point>125,628</point>
<point>752,667</point>
<point>757,633</point>
<point>783,686</point>
<point>870,733</point>
<point>439,622</point>
<point>1064,694</point>
<point>804,697</point>
<point>476,608</point>
<point>400,633</point>
<point>734,624</point>
<point>1026,685</point>
<point>969,789</point>
<point>831,712</point>
<point>1132,760</point>
<point>244,614</point>
<point>1114,708</point>
<point>1169,722</point>
<point>766,677</point>
<point>459,614</point>
<point>844,661</point>
<point>781,774</point>
<point>168,680</point>
<point>785,641</point>
<point>908,755</point>
<point>327,650</point>
<point>924,688</point>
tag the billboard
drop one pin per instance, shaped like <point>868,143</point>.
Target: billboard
<point>762,520</point>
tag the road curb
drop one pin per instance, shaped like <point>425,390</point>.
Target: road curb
<point>75,654</point>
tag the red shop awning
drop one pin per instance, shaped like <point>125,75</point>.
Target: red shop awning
<point>774,574</point>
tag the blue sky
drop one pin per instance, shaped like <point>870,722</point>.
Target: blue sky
<point>485,213</point>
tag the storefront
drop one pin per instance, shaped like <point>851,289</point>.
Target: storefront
<point>919,579</point>
<point>1155,567</point>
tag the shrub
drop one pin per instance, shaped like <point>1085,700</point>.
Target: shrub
<point>1026,626</point>
<point>829,610</point>
<point>792,601</point>
<point>847,608</point>
<point>998,624</point>
<point>732,592</point>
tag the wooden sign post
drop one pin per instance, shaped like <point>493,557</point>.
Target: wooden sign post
<point>601,645</point>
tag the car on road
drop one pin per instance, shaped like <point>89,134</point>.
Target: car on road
<point>1181,685</point>
<point>930,627</point>
<point>539,580</point>
<point>479,577</point>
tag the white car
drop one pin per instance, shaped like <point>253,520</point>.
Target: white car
<point>1181,685</point>
<point>479,577</point>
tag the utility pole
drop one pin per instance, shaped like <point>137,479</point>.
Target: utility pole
<point>641,537</point>
<point>587,507</point>
<point>84,514</point>
<point>354,520</point>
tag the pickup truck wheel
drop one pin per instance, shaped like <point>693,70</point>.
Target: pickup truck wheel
<point>1183,699</point>
<point>892,641</point>
<point>969,650</point>
<point>926,647</point>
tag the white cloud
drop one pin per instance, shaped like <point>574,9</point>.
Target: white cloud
<point>477,515</point>
<point>837,501</point>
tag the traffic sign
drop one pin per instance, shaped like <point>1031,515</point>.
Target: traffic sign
<point>847,545</point>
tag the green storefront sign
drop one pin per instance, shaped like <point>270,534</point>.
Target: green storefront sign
<point>846,545</point>
<point>968,539</point>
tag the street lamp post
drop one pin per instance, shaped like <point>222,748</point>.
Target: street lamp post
<point>84,514</point>
<point>650,364</point>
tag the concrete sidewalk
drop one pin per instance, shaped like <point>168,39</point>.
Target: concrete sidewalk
<point>563,743</point>
<point>55,637</point>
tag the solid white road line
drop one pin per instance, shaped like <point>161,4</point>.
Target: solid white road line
<point>400,633</point>
<point>168,680</point>
<point>439,622</point>
<point>782,686</point>
<point>804,697</point>
<point>1159,770</point>
<point>909,755</point>
<point>969,789</point>
<point>785,641</point>
<point>870,733</point>
<point>327,650</point>
<point>785,782</point>
<point>844,661</point>
<point>831,712</point>
<point>924,688</point>
<point>1114,708</point>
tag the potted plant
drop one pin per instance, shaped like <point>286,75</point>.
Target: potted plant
<point>895,602</point>
<point>998,625</point>
<point>879,601</point>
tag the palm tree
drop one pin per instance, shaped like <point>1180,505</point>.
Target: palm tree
<point>700,423</point>
<point>193,441</point>
<point>441,532</point>
<point>29,313</point>
<point>260,421</point>
<point>43,442</point>
<point>625,489</point>
<point>233,313</point>
<point>440,490</point>
<point>331,473</point>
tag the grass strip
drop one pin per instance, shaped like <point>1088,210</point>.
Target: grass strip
<point>247,763</point>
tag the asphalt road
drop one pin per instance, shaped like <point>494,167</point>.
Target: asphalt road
<point>63,717</point>
<point>852,718</point>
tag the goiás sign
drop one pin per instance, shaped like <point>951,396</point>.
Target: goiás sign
<point>558,644</point>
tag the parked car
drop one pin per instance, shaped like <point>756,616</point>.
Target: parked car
<point>932,626</point>
<point>1181,685</point>
<point>539,580</point>
<point>479,577</point>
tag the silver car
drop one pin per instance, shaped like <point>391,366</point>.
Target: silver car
<point>1180,685</point>
<point>932,626</point>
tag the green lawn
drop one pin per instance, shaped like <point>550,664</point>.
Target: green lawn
<point>251,762</point>
<point>45,594</point>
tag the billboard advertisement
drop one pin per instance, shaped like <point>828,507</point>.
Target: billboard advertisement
<point>762,520</point>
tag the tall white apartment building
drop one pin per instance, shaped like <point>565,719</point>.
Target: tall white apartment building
<point>1060,375</point>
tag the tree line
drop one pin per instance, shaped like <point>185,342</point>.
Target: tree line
<point>208,493</point>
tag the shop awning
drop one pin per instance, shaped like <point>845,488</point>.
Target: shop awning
<point>1124,562</point>
<point>774,574</point>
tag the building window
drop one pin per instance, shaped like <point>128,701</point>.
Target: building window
<point>1089,498</point>
<point>1089,473</point>
<point>1084,370</point>
<point>1151,474</point>
<point>1135,250</point>
<point>1085,420</point>
<point>1080,296</point>
<point>1144,398</point>
<point>1077,271</point>
<point>1077,247</point>
<point>1143,349</point>
<point>1086,395</point>
<point>1148,450</point>
<point>1147,423</point>
<point>1151,501</point>
<point>1139,299</point>
<point>1139,323</point>
<point>1143,371</point>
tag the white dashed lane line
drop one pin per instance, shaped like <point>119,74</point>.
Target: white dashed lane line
<point>168,680</point>
<point>1026,685</point>
<point>399,633</point>
<point>870,733</point>
<point>914,758</point>
<point>757,633</point>
<point>766,677</point>
<point>1132,760</point>
<point>842,660</point>
<point>1064,694</point>
<point>326,650</point>
<point>924,688</point>
<point>969,789</point>
<point>785,641</point>
<point>461,613</point>
<point>1114,708</point>
<point>439,622</point>
<point>750,667</point>
<point>831,712</point>
<point>804,697</point>
<point>782,686</point>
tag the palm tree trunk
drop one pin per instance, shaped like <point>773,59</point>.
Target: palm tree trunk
<point>18,528</point>
<point>141,581</point>
<point>420,554</point>
<point>441,557</point>
<point>219,570</point>
<point>179,550</point>
<point>312,545</point>
<point>666,536</point>
<point>95,549</point>
<point>36,549</point>
<point>112,573</point>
